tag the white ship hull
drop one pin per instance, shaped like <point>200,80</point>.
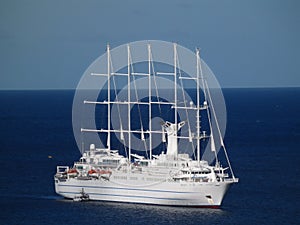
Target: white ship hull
<point>205,194</point>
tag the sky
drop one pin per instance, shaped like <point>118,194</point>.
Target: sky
<point>49,44</point>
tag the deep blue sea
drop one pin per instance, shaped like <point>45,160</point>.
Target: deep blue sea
<point>262,138</point>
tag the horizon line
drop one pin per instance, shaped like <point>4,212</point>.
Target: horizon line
<point>74,89</point>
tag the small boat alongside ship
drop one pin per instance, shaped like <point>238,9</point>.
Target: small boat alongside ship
<point>81,197</point>
<point>172,177</point>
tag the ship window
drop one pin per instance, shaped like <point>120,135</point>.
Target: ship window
<point>79,167</point>
<point>144,163</point>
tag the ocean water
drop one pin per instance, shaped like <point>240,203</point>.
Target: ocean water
<point>262,138</point>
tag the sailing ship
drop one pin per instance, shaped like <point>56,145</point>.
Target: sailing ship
<point>172,177</point>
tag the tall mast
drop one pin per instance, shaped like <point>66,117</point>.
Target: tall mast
<point>175,85</point>
<point>129,99</point>
<point>108,97</point>
<point>198,105</point>
<point>150,106</point>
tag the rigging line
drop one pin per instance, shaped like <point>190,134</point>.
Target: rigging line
<point>185,105</point>
<point>199,69</point>
<point>211,134</point>
<point>201,77</point>
<point>118,106</point>
<point>137,99</point>
<point>156,93</point>
<point>155,84</point>
<point>219,132</point>
<point>205,88</point>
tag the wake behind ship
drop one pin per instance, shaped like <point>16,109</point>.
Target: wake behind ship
<point>172,177</point>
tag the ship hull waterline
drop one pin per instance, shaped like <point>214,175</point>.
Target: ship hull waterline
<point>186,194</point>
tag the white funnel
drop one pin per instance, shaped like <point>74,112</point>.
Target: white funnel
<point>172,130</point>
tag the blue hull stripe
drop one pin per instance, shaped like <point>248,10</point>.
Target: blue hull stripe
<point>127,196</point>
<point>130,189</point>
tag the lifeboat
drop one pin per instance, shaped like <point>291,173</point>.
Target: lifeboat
<point>102,172</point>
<point>93,173</point>
<point>105,174</point>
<point>72,172</point>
